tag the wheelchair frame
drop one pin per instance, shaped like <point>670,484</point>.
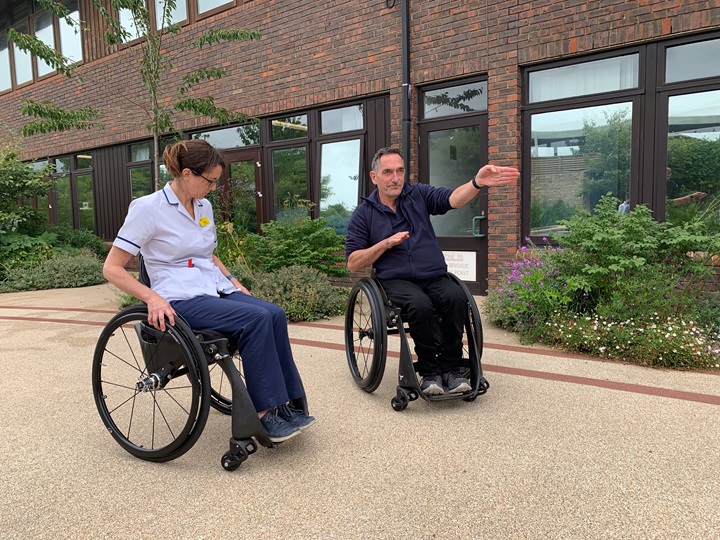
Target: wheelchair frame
<point>166,378</point>
<point>366,331</point>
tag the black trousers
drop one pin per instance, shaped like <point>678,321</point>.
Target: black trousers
<point>438,344</point>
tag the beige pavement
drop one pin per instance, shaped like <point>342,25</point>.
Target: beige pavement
<point>560,447</point>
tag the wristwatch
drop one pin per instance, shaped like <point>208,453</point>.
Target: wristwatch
<point>474,183</point>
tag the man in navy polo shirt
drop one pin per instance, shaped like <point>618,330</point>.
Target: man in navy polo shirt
<point>391,230</point>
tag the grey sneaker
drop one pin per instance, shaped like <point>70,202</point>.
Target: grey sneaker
<point>295,417</point>
<point>432,385</point>
<point>456,383</point>
<point>278,430</point>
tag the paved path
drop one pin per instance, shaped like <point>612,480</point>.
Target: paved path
<point>560,447</point>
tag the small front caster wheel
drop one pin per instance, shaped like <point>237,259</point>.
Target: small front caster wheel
<point>398,404</point>
<point>231,462</point>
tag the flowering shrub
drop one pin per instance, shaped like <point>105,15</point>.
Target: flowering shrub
<point>617,286</point>
<point>656,341</point>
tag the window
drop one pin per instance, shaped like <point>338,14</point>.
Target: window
<point>342,119</point>
<point>693,61</point>
<point>339,181</point>
<point>55,33</point>
<point>692,175</point>
<point>22,60</point>
<point>175,16</point>
<point>318,156</point>
<point>235,137</point>
<point>70,40</point>
<point>140,170</point>
<point>293,127</point>
<point>607,75</point>
<point>184,12</point>
<point>577,156</point>
<point>464,98</point>
<point>44,31</point>
<point>206,6</point>
<point>644,131</point>
<point>72,199</point>
<point>5,71</point>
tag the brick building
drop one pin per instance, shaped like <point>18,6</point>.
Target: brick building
<point>585,97</point>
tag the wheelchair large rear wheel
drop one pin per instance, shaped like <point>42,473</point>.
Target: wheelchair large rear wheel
<point>366,334</point>
<point>151,388</point>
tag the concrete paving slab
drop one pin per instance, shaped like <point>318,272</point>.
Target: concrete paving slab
<point>546,453</point>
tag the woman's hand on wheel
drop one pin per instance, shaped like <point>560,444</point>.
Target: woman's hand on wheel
<point>158,310</point>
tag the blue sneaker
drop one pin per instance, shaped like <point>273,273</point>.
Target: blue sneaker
<point>278,430</point>
<point>295,417</point>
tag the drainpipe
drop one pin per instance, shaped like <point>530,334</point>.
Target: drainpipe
<point>406,88</point>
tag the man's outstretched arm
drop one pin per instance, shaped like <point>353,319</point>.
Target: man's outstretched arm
<point>487,176</point>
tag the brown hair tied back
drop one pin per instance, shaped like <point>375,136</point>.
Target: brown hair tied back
<point>197,155</point>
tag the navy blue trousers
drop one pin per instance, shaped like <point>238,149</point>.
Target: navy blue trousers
<point>438,343</point>
<point>260,329</point>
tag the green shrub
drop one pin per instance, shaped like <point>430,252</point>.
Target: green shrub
<point>18,252</point>
<point>63,270</point>
<point>617,286</point>
<point>304,293</point>
<point>300,240</point>
<point>77,238</point>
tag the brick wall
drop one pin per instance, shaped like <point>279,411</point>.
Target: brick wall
<point>316,53</point>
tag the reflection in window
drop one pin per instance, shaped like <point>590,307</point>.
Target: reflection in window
<point>4,63</point>
<point>63,202</point>
<point>693,168</point>
<point>339,180</point>
<point>176,15</point>
<point>70,40</point>
<point>85,202</point>
<point>165,176</point>
<point>23,61</point>
<point>607,75</point>
<point>242,192</point>
<point>460,99</point>
<point>207,5</point>
<point>62,164</point>
<point>140,152</point>
<point>45,32</point>
<point>692,61</point>
<point>293,127</point>
<point>140,183</point>
<point>235,137</point>
<point>577,156</point>
<point>343,119</point>
<point>127,21</point>
<point>83,161</point>
<point>290,179</point>
<point>453,158</point>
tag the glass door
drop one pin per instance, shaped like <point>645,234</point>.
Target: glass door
<point>452,151</point>
<point>240,193</point>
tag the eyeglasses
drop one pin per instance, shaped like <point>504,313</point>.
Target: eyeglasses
<point>211,182</point>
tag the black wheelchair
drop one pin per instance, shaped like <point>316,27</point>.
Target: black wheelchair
<point>154,389</point>
<point>370,317</point>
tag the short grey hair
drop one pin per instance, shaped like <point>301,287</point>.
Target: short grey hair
<point>375,165</point>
